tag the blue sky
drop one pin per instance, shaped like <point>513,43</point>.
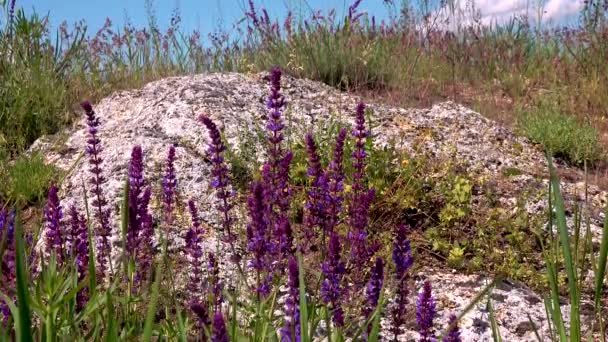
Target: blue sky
<point>196,14</point>
<point>206,15</point>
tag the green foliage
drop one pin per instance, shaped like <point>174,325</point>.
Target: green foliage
<point>562,134</point>
<point>26,180</point>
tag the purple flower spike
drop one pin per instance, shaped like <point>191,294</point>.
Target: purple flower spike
<point>79,238</point>
<point>202,313</point>
<point>8,264</point>
<point>318,196</point>
<point>333,270</point>
<point>219,328</point>
<point>335,183</point>
<point>374,287</point>
<point>99,203</point>
<point>54,232</point>
<point>453,332</point>
<point>361,197</point>
<point>257,236</point>
<point>221,180</point>
<point>425,312</point>
<point>169,185</point>
<point>402,257</point>
<point>140,230</point>
<point>291,330</point>
<point>194,252</point>
<point>215,281</point>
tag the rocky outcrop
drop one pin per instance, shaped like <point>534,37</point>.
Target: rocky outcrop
<point>165,112</point>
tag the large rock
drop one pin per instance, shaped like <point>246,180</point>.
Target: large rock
<point>165,112</point>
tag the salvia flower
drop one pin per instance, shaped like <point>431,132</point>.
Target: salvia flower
<point>214,281</point>
<point>374,287</point>
<point>169,184</point>
<point>194,252</point>
<point>136,188</point>
<point>360,134</point>
<point>453,331</point>
<point>403,260</point>
<point>79,238</point>
<point>335,183</point>
<point>99,203</point>
<point>8,264</point>
<point>219,328</point>
<point>425,312</point>
<point>54,231</point>
<point>333,270</point>
<point>221,180</point>
<point>258,237</point>
<point>318,195</point>
<point>291,330</point>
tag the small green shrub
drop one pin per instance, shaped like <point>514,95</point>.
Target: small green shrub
<point>561,133</point>
<point>26,180</point>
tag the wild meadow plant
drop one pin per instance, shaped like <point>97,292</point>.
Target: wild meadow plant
<point>300,281</point>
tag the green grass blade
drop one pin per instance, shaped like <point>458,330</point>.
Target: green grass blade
<point>495,330</point>
<point>92,257</point>
<point>112,332</point>
<point>149,325</point>
<point>575,326</point>
<point>601,268</point>
<point>25,320</point>
<point>124,223</point>
<point>374,335</point>
<point>303,305</point>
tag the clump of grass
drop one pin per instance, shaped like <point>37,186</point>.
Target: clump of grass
<point>562,134</point>
<point>26,180</point>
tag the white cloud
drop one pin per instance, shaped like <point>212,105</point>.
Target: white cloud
<point>501,11</point>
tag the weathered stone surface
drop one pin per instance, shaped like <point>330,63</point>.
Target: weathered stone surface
<point>165,112</point>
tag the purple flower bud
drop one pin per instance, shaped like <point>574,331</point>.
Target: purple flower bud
<point>100,210</point>
<point>219,328</point>
<point>291,329</point>
<point>453,331</point>
<point>425,312</point>
<point>335,183</point>
<point>54,231</point>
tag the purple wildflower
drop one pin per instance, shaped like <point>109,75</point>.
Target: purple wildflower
<point>276,173</point>
<point>99,203</point>
<point>318,196</point>
<point>291,330</point>
<point>353,16</point>
<point>219,328</point>
<point>140,230</point>
<point>257,235</point>
<point>402,257</point>
<point>11,11</point>
<point>221,181</point>
<point>201,310</point>
<point>53,216</point>
<point>333,270</point>
<point>361,198</point>
<point>194,252</point>
<point>253,15</point>
<point>335,183</point>
<point>169,184</point>
<point>453,331</point>
<point>374,287</point>
<point>215,281</point>
<point>8,264</point>
<point>425,312</point>
<point>79,238</point>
